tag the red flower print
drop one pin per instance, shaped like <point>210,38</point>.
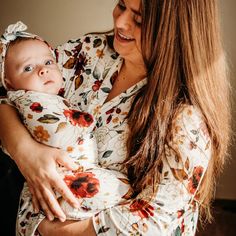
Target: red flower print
<point>195,179</point>
<point>109,119</point>
<point>79,118</point>
<point>83,184</point>
<point>141,208</point>
<point>96,85</point>
<point>36,107</point>
<point>80,141</point>
<point>182,226</point>
<point>110,111</point>
<point>180,213</point>
<point>61,92</point>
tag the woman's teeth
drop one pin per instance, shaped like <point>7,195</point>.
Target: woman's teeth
<point>125,37</point>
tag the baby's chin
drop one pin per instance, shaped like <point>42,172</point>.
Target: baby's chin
<point>52,88</point>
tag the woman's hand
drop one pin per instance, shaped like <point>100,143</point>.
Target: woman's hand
<point>37,162</point>
<point>67,228</point>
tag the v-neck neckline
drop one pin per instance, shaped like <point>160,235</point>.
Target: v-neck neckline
<point>102,93</point>
<point>126,93</point>
<point>107,83</point>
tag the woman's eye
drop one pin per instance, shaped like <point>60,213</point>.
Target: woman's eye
<point>138,22</point>
<point>121,5</point>
<point>28,68</point>
<point>49,62</point>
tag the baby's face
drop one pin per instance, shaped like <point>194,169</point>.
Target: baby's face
<point>30,65</point>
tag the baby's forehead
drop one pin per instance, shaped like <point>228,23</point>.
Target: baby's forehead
<point>21,45</point>
<point>27,42</point>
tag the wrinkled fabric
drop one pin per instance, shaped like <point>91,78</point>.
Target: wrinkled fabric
<point>53,121</point>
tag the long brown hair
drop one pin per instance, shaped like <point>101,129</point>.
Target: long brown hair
<point>185,63</point>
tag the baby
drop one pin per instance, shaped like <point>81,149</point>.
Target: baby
<point>30,74</point>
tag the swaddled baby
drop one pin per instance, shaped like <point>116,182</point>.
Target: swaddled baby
<point>30,74</point>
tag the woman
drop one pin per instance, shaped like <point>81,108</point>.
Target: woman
<point>170,79</point>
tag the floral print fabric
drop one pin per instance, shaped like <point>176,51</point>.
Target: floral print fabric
<point>53,121</point>
<point>90,68</point>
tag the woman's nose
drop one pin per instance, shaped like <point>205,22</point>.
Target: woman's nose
<point>123,21</point>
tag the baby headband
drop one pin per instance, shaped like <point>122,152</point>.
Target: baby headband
<point>11,33</point>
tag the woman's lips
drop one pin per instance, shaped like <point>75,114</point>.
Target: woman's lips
<point>122,38</point>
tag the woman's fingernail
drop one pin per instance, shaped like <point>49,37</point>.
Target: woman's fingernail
<point>51,218</point>
<point>62,219</point>
<point>75,205</point>
<point>36,210</point>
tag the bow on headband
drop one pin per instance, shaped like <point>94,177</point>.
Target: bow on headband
<point>11,33</point>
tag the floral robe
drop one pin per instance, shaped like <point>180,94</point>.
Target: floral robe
<point>90,68</point>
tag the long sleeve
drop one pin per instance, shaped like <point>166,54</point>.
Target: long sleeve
<point>174,210</point>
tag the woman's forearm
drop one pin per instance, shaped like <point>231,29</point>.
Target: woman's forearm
<point>67,228</point>
<point>13,134</point>
<point>37,162</point>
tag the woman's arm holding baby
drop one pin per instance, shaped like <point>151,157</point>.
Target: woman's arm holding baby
<point>67,228</point>
<point>36,162</point>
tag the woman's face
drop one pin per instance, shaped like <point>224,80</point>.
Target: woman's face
<point>127,28</point>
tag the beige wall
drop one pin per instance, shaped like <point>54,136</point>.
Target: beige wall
<point>60,20</point>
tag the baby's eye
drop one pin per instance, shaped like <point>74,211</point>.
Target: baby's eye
<point>28,68</point>
<point>49,62</point>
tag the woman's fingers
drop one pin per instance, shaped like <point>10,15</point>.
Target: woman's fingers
<point>49,203</point>
<point>35,202</point>
<point>61,187</point>
<point>66,161</point>
<point>44,205</point>
<point>40,171</point>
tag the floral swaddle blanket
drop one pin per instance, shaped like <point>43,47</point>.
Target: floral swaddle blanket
<point>53,121</point>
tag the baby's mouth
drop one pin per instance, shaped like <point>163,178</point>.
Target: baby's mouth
<point>48,82</point>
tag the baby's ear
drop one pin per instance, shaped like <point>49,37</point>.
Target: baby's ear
<point>8,84</point>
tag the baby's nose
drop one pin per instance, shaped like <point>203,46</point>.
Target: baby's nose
<point>42,71</point>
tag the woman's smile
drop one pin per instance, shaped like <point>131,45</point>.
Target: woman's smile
<point>123,38</point>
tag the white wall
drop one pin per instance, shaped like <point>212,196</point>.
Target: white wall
<point>59,20</point>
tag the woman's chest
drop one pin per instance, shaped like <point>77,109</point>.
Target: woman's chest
<point>111,132</point>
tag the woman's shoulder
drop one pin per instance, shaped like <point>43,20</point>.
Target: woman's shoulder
<point>189,124</point>
<point>188,115</point>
